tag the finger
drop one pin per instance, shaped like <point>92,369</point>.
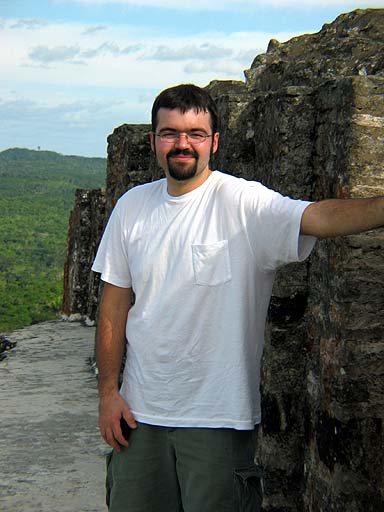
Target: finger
<point>119,437</point>
<point>110,439</point>
<point>129,418</point>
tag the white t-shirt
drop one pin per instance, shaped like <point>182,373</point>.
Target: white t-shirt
<point>202,267</point>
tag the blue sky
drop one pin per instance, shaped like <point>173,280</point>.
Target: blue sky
<point>73,70</point>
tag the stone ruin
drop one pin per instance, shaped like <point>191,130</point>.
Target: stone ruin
<point>308,122</point>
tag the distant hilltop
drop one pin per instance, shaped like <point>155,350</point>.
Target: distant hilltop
<point>17,154</point>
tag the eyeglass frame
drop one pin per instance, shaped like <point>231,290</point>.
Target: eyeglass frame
<point>176,137</point>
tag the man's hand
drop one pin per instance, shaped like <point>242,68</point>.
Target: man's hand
<point>112,408</point>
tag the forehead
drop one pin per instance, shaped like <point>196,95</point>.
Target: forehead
<point>183,121</point>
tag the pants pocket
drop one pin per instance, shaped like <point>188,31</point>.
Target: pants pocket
<point>108,480</point>
<point>247,489</point>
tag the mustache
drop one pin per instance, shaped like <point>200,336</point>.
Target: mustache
<point>185,152</point>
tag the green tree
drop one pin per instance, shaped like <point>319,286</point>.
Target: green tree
<point>36,196</point>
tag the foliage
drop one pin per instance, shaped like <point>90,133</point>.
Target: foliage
<point>36,195</point>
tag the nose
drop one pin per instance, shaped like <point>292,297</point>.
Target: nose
<point>182,141</point>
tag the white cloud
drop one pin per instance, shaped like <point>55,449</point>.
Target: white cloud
<point>30,24</point>
<point>103,49</point>
<point>118,55</point>
<point>204,51</point>
<point>175,51</point>
<point>74,54</point>
<point>225,5</point>
<point>92,30</point>
<point>226,68</point>
<point>46,55</point>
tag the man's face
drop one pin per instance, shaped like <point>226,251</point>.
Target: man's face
<point>183,159</point>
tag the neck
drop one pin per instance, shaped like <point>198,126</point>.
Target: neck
<point>178,188</point>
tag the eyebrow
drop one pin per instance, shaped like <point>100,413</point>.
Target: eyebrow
<point>166,129</point>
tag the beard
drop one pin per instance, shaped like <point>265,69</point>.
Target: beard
<point>181,171</point>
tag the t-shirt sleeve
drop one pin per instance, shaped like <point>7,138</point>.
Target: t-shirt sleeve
<point>112,255</point>
<point>273,227</point>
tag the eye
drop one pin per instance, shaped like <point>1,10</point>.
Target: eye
<point>197,136</point>
<point>169,135</point>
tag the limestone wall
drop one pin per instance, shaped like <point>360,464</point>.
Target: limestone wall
<point>308,122</point>
<point>86,224</point>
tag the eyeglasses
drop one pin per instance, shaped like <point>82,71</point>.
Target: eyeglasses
<point>192,137</point>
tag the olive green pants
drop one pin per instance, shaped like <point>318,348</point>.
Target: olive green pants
<point>185,470</point>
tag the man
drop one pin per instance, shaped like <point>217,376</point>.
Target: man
<point>198,250</point>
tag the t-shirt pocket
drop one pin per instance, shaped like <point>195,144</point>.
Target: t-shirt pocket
<point>211,263</point>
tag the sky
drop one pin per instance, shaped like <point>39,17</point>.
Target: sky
<point>71,71</point>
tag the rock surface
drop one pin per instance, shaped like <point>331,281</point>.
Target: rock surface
<point>52,456</point>
<point>86,224</point>
<point>5,344</point>
<point>309,122</point>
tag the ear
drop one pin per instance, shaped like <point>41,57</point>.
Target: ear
<point>152,139</point>
<point>215,142</point>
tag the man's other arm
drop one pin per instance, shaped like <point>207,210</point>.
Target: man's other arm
<point>338,217</point>
<point>110,347</point>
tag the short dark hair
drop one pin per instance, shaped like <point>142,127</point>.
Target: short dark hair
<point>185,97</point>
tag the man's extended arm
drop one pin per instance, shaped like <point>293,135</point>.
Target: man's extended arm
<point>114,307</point>
<point>337,217</point>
